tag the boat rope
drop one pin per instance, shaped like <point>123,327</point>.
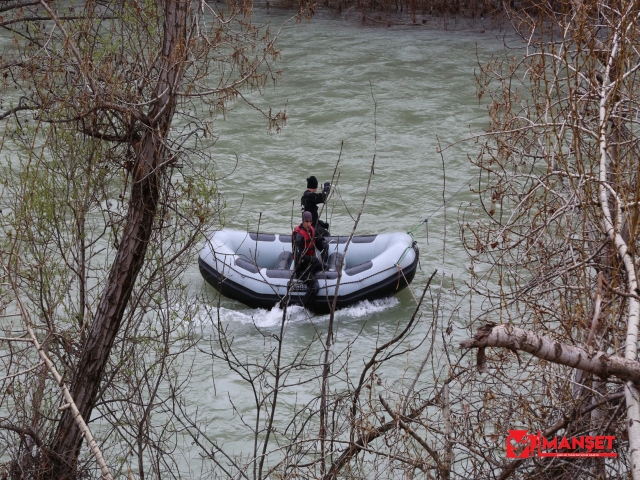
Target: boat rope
<point>406,250</point>
<point>426,222</point>
<point>448,200</point>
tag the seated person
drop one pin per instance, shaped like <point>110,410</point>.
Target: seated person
<point>306,265</point>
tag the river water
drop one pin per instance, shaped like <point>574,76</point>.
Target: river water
<point>356,95</point>
<point>353,93</point>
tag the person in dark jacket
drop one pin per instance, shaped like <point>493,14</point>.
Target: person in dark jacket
<point>309,203</point>
<point>306,265</point>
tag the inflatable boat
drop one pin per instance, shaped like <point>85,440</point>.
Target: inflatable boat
<point>257,268</point>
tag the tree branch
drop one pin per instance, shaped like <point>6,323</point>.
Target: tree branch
<point>506,336</point>
<point>14,110</point>
<point>77,417</point>
<point>18,6</point>
<point>511,467</point>
<point>416,437</point>
<point>23,431</point>
<point>354,448</point>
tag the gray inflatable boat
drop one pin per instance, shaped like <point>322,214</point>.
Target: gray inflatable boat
<point>257,268</point>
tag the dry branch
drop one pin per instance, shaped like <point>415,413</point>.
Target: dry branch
<point>416,437</point>
<point>512,338</point>
<point>365,439</point>
<point>77,417</point>
<point>565,421</point>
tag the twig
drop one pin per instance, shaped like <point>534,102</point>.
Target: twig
<point>326,365</point>
<point>411,432</point>
<point>22,372</point>
<point>84,429</point>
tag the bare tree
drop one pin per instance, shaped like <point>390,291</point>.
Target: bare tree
<point>107,109</point>
<point>554,249</point>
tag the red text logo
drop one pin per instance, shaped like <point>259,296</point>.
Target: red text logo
<point>522,444</point>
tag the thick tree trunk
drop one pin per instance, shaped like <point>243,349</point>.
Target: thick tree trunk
<point>613,223</point>
<point>131,252</point>
<point>597,363</point>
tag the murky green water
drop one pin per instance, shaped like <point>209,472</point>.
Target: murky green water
<point>353,93</point>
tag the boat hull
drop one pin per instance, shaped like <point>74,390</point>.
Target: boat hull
<point>237,264</point>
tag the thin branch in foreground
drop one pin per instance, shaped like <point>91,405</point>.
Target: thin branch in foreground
<point>84,428</point>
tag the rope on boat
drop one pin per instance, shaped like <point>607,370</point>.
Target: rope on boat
<point>413,242</point>
<point>401,272</point>
<point>426,223</point>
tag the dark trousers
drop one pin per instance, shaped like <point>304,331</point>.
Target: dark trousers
<point>312,291</point>
<point>307,271</point>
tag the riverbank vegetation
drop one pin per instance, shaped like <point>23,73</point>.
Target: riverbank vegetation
<point>416,10</point>
<point>109,185</point>
<point>108,110</point>
<point>432,13</point>
<point>554,255</point>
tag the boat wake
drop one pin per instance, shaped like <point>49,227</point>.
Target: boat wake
<point>263,318</point>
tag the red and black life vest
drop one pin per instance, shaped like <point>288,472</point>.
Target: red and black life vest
<point>309,242</point>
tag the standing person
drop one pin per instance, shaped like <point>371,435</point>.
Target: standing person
<point>309,203</point>
<point>306,265</point>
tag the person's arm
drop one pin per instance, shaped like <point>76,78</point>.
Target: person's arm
<point>319,241</point>
<point>325,191</point>
<point>299,241</point>
<point>317,198</point>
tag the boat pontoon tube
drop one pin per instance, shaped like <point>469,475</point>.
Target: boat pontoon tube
<point>257,268</point>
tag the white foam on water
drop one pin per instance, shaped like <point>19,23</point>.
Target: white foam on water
<point>295,314</point>
<point>258,316</point>
<point>366,308</point>
<point>269,318</point>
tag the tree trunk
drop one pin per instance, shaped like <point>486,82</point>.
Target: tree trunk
<point>597,363</point>
<point>136,235</point>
